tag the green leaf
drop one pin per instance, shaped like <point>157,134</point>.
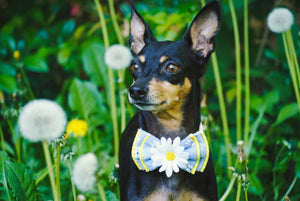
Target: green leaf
<point>92,58</point>
<point>36,63</point>
<point>286,112</point>
<point>63,55</point>
<point>85,99</point>
<point>8,83</point>
<point>111,196</point>
<point>297,168</point>
<point>17,181</point>
<point>7,69</point>
<point>68,27</point>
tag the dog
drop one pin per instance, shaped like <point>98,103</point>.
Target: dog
<point>166,90</point>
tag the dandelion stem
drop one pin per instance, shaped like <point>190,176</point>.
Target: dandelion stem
<point>72,184</point>
<point>238,193</point>
<point>222,105</point>
<point>112,96</point>
<point>26,82</point>
<point>229,188</point>
<point>238,72</point>
<point>115,22</point>
<point>123,111</point>
<point>101,191</point>
<point>246,195</point>
<point>222,110</point>
<point>58,170</point>
<point>16,139</point>
<point>291,66</point>
<point>247,73</point>
<point>2,139</point>
<point>50,170</point>
<point>290,187</point>
<point>293,55</point>
<point>38,180</point>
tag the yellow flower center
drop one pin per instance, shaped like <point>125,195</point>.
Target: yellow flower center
<point>16,54</point>
<point>170,156</point>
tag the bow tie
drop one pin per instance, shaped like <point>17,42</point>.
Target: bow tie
<point>190,154</point>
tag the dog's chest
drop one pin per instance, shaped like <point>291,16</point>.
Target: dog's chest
<point>173,190</point>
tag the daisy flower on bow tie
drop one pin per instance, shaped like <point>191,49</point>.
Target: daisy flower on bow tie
<point>169,156</point>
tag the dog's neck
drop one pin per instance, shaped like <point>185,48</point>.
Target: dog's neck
<point>177,121</point>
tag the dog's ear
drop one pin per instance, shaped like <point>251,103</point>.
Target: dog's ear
<point>203,29</point>
<point>140,32</point>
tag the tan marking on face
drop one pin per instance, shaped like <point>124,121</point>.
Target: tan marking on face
<point>189,196</point>
<point>169,113</point>
<point>158,195</point>
<point>163,59</point>
<point>142,58</point>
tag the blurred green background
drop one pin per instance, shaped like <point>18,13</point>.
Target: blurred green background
<point>62,54</point>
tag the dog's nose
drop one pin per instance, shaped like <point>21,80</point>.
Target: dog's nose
<point>137,92</point>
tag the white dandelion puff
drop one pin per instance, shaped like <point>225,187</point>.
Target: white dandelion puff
<point>42,119</point>
<point>280,20</point>
<point>169,156</point>
<point>83,174</point>
<point>118,57</point>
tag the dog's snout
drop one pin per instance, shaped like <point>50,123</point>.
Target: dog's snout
<point>138,92</point>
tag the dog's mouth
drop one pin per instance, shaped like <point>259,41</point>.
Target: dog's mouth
<point>147,106</point>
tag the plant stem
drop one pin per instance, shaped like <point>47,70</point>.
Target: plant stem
<point>246,195</point>
<point>73,186</point>
<point>247,74</point>
<point>229,188</point>
<point>254,130</point>
<point>101,191</point>
<point>16,139</point>
<point>238,193</point>
<point>238,72</point>
<point>222,110</point>
<point>58,170</point>
<point>291,67</point>
<point>2,139</point>
<point>50,170</point>
<point>293,55</point>
<point>31,96</point>
<point>290,187</point>
<point>115,22</point>
<point>123,110</point>
<point>112,96</point>
<point>102,22</point>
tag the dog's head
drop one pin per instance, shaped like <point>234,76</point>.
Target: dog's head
<point>164,72</point>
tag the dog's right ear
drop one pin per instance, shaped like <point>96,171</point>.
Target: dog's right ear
<point>140,32</point>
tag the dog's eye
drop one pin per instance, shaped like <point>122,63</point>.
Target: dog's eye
<point>171,68</point>
<point>134,68</point>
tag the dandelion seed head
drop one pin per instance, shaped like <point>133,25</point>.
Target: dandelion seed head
<point>83,174</point>
<point>118,57</point>
<point>42,119</point>
<point>280,20</point>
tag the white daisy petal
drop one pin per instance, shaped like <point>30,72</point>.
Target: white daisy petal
<point>175,167</point>
<point>169,172</point>
<point>169,156</point>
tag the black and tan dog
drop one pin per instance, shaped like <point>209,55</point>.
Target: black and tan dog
<point>167,91</point>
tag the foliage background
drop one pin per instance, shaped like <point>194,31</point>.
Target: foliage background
<point>62,50</point>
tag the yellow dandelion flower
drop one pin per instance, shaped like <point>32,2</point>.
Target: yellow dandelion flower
<point>77,127</point>
<point>17,54</point>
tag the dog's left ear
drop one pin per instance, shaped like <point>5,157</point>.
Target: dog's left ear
<point>203,29</point>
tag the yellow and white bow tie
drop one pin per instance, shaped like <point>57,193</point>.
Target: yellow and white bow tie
<point>190,154</point>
